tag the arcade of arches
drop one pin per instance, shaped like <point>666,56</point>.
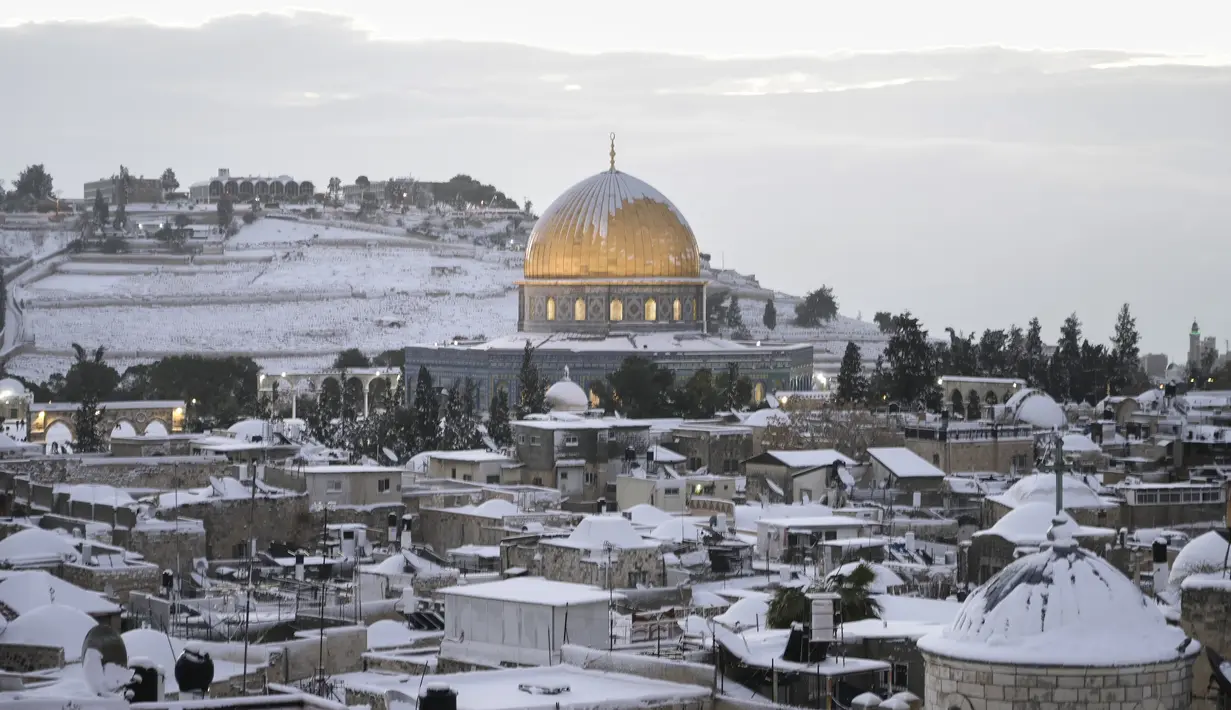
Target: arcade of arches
<point>371,385</point>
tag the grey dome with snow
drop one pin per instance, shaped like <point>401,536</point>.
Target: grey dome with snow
<point>566,396</point>
<point>1063,606</point>
<point>1206,553</point>
<point>1036,408</point>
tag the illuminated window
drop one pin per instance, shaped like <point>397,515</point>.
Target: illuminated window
<point>551,309</point>
<point>651,309</point>
<point>579,309</point>
<point>758,393</point>
<point>694,310</point>
<point>677,310</point>
<point>617,309</point>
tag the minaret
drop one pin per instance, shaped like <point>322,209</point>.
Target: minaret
<point>1194,345</point>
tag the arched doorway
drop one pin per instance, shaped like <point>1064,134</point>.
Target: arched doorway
<point>155,428</point>
<point>59,433</point>
<point>123,428</point>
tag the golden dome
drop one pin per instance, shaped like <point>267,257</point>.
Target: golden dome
<point>612,225</point>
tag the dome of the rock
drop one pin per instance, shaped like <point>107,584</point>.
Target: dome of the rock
<point>612,226</point>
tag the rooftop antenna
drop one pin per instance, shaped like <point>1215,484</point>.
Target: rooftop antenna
<point>612,153</point>
<point>1058,466</point>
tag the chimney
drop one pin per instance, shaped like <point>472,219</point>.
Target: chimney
<point>720,523</point>
<point>392,524</point>
<point>602,505</point>
<point>407,520</point>
<point>1161,569</point>
<point>910,540</point>
<point>299,566</point>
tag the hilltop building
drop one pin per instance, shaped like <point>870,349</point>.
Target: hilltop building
<point>283,186</point>
<point>612,270</point>
<point>141,189</point>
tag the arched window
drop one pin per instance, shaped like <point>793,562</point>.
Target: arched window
<point>758,393</point>
<point>551,308</point>
<point>579,309</point>
<point>677,310</point>
<point>651,309</point>
<point>617,309</point>
<point>694,310</point>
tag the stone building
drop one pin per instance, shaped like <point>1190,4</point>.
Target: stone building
<point>957,447</point>
<point>718,448</point>
<point>770,474</point>
<point>486,524</point>
<point>1205,605</point>
<point>479,466</point>
<point>989,391</point>
<point>604,551</point>
<point>1060,628</point>
<point>612,270</point>
<point>1024,527</point>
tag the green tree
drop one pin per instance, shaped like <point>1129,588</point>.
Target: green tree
<point>362,182</point>
<point>734,390</point>
<point>1033,366</point>
<point>122,183</point>
<point>854,590</point>
<point>226,212</point>
<point>498,419</point>
<point>817,307</point>
<point>883,320</point>
<point>426,413</point>
<point>459,428</point>
<point>1126,355</point>
<point>698,399</point>
<point>974,406</point>
<point>391,358</point>
<point>94,380</point>
<point>911,378</point>
<point>789,606</point>
<point>715,312</point>
<point>1065,371</point>
<point>101,210</point>
<point>531,390</point>
<point>770,317</point>
<point>852,383</point>
<point>335,189</point>
<point>351,357</point>
<point>642,389</point>
<point>735,316</point>
<point>169,183</point>
<point>34,183</point>
<point>4,298</point>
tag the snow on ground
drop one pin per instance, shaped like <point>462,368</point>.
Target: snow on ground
<point>37,244</point>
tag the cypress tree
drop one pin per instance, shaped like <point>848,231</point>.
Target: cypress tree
<point>426,427</point>
<point>498,418</point>
<point>852,384</point>
<point>531,394</point>
<point>770,319</point>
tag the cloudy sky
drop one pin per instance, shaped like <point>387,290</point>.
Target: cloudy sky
<point>976,165</point>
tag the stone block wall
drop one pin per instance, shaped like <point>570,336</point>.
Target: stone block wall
<point>23,658</point>
<point>231,524</point>
<point>1205,610</point>
<point>167,547</point>
<point>299,659</point>
<point>580,566</point>
<point>951,683</point>
<point>166,474</point>
<point>117,582</point>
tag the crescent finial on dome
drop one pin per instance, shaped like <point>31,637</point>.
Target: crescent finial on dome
<point>612,153</point>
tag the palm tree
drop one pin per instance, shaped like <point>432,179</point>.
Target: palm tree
<point>95,359</point>
<point>853,590</point>
<point>789,606</point>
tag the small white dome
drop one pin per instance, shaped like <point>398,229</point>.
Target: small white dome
<point>1203,554</point>
<point>10,387</point>
<point>1036,408</point>
<point>566,396</point>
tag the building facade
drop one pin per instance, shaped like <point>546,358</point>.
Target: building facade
<point>612,271</point>
<point>274,188</point>
<point>139,190</point>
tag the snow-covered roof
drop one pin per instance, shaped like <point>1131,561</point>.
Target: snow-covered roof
<point>678,530</point>
<point>1036,408</point>
<point>767,417</point>
<point>594,532</point>
<point>810,458</point>
<point>1063,606</point>
<point>904,463</point>
<point>469,456</point>
<point>884,578</point>
<point>746,516</point>
<point>57,625</point>
<point>1080,444</point>
<point>37,544</point>
<point>748,613</point>
<point>1205,553</point>
<point>164,651</point>
<point>95,493</point>
<point>1041,488</point>
<point>532,590</point>
<point>388,633</point>
<point>1027,524</point>
<point>495,508</point>
<point>665,455</point>
<point>646,514</point>
<point>822,521</point>
<point>25,591</point>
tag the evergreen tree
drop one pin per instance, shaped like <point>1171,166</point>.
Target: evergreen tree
<point>735,318</point>
<point>817,307</point>
<point>1125,354</point>
<point>734,389</point>
<point>1015,351</point>
<point>911,378</point>
<point>963,356</point>
<point>1033,365</point>
<point>770,318</point>
<point>101,210</point>
<point>498,419</point>
<point>4,298</point>
<point>94,384</point>
<point>991,353</point>
<point>426,428</point>
<point>878,383</point>
<point>169,182</point>
<point>883,320</point>
<point>1096,369</point>
<point>852,384</point>
<point>531,390</point>
<point>122,183</point>
<point>698,398</point>
<point>974,406</point>
<point>459,427</point>
<point>642,389</point>
<point>1067,362</point>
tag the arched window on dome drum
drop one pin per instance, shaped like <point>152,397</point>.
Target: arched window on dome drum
<point>677,310</point>
<point>651,309</point>
<point>551,308</point>
<point>758,394</point>
<point>579,309</point>
<point>617,309</point>
<point>694,310</point>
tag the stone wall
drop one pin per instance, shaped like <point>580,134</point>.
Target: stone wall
<point>951,683</point>
<point>1204,614</point>
<point>231,524</point>
<point>581,566</point>
<point>163,473</point>
<point>117,582</point>
<point>300,658</point>
<point>22,658</point>
<point>443,529</point>
<point>165,545</point>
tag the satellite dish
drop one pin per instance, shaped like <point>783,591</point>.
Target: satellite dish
<point>101,648</point>
<point>393,458</point>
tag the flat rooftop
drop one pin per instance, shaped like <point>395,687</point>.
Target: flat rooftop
<point>532,590</point>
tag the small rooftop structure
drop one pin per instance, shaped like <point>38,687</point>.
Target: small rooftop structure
<point>901,462</point>
<point>802,459</point>
<point>532,590</point>
<point>595,532</point>
<point>1036,408</point>
<point>1028,524</point>
<point>1041,488</point>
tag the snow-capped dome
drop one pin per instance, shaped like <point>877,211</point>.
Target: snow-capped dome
<point>36,543</point>
<point>884,579</point>
<point>566,396</point>
<point>24,592</point>
<point>1063,606</point>
<point>745,614</point>
<point>1028,524</point>
<point>596,531</point>
<point>678,530</point>
<point>51,625</point>
<point>1041,488</point>
<point>1203,554</point>
<point>250,429</point>
<point>646,514</point>
<point>1036,408</point>
<point>1080,444</point>
<point>10,387</point>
